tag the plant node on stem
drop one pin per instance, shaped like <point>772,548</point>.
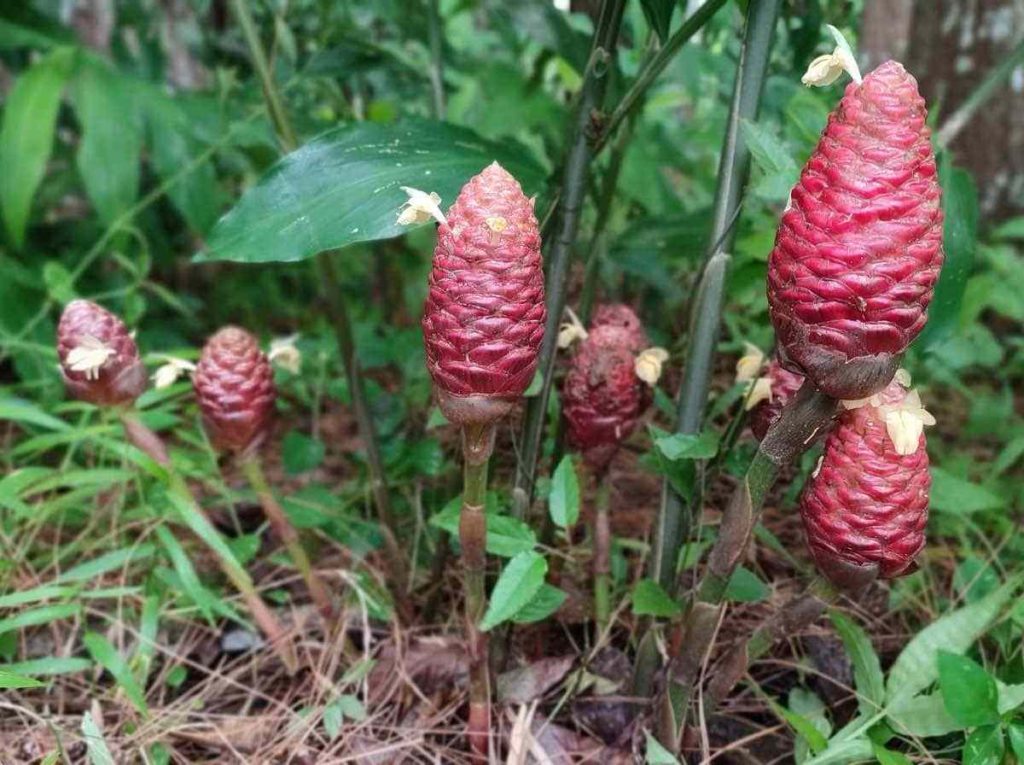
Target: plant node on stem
<point>477,445</point>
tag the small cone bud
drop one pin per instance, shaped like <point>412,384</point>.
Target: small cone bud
<point>234,385</point>
<point>859,248</point>
<point>98,357</point>
<point>602,396</point>
<point>866,506</point>
<point>483,320</point>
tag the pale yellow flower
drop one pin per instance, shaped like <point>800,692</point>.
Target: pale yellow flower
<point>648,364</point>
<point>750,363</point>
<point>571,331</point>
<point>285,354</point>
<point>167,374</point>
<point>89,356</point>
<point>826,69</point>
<point>420,207</point>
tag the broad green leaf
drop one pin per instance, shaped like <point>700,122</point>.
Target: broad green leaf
<point>564,499</point>
<point>779,171</point>
<point>1011,696</point>
<point>844,752</point>
<point>26,136</point>
<point>105,654</point>
<point>688,446</point>
<point>650,599</point>
<point>659,15</point>
<point>922,716</point>
<point>506,536</point>
<point>10,679</point>
<point>745,587</point>
<point>95,744</point>
<point>867,671</point>
<point>520,580</point>
<point>959,239</point>
<point>975,578</point>
<point>333,718</point>
<point>111,147</point>
<point>985,746</point>
<point>968,691</point>
<point>301,453</point>
<point>344,187</point>
<point>951,494</point>
<point>547,600</point>
<point>657,754</point>
<point>889,757</point>
<point>1015,734</point>
<point>811,710</point>
<point>917,667</point>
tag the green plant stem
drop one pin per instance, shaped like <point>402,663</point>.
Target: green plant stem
<point>275,106</point>
<point>803,419</point>
<point>633,99</point>
<point>331,290</point>
<point>338,314</point>
<point>794,616</point>
<point>436,59</point>
<point>318,592</point>
<point>989,86</point>
<point>602,555</point>
<point>477,445</point>
<point>675,520</point>
<point>574,187</point>
<point>146,440</point>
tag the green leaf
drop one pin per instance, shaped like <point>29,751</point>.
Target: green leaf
<point>50,665</point>
<point>344,187</point>
<point>506,536</point>
<point>564,499</point>
<point>688,446</point>
<point>657,754</point>
<point>106,563</point>
<point>26,137</point>
<point>520,580</point>
<point>959,240</point>
<point>10,679</point>
<point>659,16</point>
<point>111,146</point>
<point>985,746</point>
<point>19,410</point>
<point>95,744</point>
<point>922,716</point>
<point>1012,229</point>
<point>190,583</point>
<point>968,691</point>
<point>975,578</point>
<point>1011,696</point>
<point>889,757</point>
<point>951,494</point>
<point>38,616</point>
<point>867,671</point>
<point>917,667</point>
<point>779,171</point>
<point>301,453</point>
<point>1015,733</point>
<point>105,654</point>
<point>811,710</point>
<point>745,587</point>
<point>547,600</point>
<point>650,599</point>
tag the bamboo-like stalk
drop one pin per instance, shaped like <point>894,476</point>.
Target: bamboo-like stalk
<point>477,445</point>
<point>331,291</point>
<point>803,419</point>
<point>602,554</point>
<point>139,435</point>
<point>574,186</point>
<point>675,520</point>
<point>253,469</point>
<point>794,615</point>
<point>436,59</point>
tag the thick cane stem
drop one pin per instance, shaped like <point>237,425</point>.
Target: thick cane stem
<point>602,555</point>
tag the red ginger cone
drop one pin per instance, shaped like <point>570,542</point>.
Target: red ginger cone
<point>602,397</point>
<point>783,386</point>
<point>98,357</point>
<point>859,248</point>
<point>234,385</point>
<point>866,506</point>
<point>483,321</point>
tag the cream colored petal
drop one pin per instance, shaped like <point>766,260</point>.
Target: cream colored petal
<point>904,429</point>
<point>648,366</point>
<point>749,365</point>
<point>823,71</point>
<point>285,354</point>
<point>903,377</point>
<point>88,356</point>
<point>760,390</point>
<point>420,207</point>
<point>657,352</point>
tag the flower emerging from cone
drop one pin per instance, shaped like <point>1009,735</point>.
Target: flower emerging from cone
<point>99,360</point>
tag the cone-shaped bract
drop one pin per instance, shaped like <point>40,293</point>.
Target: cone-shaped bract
<point>784,385</point>
<point>602,397</point>
<point>98,357</point>
<point>867,505</point>
<point>859,247</point>
<point>483,321</point>
<point>234,385</point>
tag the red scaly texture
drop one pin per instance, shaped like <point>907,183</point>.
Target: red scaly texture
<point>785,384</point>
<point>622,316</point>
<point>122,378</point>
<point>602,398</point>
<point>859,248</point>
<point>234,385</point>
<point>483,321</point>
<point>867,505</point>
